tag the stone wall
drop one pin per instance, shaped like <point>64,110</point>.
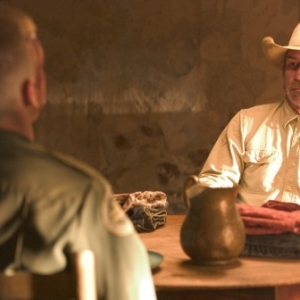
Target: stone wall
<point>141,89</point>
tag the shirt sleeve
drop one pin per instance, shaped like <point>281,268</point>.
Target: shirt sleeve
<point>122,264</point>
<point>224,164</point>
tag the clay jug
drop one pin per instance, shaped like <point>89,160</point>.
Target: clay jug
<point>212,232</point>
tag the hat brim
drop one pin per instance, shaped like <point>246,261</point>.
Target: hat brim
<point>276,53</point>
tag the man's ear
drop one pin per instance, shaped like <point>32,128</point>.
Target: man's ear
<point>31,99</point>
<point>29,93</point>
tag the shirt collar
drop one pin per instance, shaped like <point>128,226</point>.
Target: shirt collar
<point>288,114</point>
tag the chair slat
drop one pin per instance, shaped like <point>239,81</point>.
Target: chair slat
<point>79,283</point>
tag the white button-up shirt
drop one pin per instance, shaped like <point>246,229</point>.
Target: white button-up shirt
<point>259,150</point>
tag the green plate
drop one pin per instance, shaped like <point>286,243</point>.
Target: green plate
<point>155,259</point>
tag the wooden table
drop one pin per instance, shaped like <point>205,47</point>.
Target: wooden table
<point>247,278</point>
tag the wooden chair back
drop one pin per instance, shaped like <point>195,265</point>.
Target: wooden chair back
<point>77,283</point>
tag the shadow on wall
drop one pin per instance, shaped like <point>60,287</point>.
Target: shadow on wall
<point>134,152</point>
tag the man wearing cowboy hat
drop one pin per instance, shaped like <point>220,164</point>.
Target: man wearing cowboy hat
<point>260,148</point>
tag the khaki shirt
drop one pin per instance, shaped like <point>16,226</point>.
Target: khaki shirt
<point>51,204</point>
<point>259,150</point>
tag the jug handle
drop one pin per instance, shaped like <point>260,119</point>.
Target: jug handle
<point>189,182</point>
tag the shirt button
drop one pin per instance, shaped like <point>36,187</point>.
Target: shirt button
<point>293,164</point>
<point>289,188</point>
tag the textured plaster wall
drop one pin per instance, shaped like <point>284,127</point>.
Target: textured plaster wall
<point>141,89</point>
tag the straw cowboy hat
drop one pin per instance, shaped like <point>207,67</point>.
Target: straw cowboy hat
<point>276,53</point>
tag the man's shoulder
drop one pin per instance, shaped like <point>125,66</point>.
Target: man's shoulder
<point>262,108</point>
<point>17,151</point>
<point>72,163</point>
<point>30,164</point>
<point>76,171</point>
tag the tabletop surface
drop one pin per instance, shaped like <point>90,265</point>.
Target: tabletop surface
<point>178,271</point>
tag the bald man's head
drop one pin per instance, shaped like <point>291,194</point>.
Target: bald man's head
<point>22,77</point>
<point>18,58</point>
